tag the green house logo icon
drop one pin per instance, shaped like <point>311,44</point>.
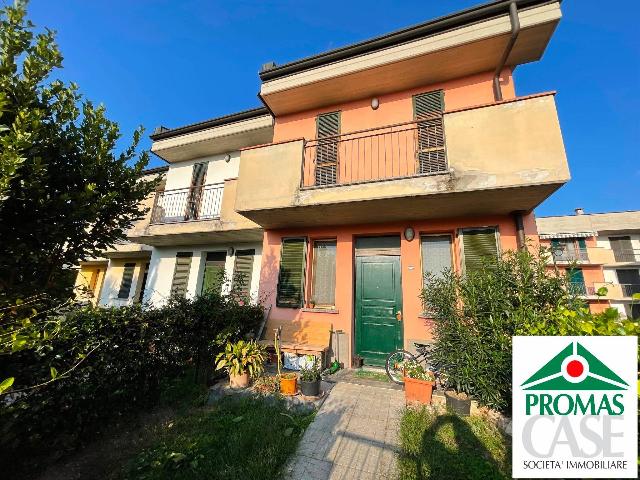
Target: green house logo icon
<point>574,368</point>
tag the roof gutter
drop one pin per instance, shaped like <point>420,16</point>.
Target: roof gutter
<point>515,31</point>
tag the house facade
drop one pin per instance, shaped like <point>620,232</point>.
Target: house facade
<point>368,167</point>
<point>599,250</point>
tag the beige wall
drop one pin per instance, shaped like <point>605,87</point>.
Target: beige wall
<point>83,282</point>
<point>511,144</point>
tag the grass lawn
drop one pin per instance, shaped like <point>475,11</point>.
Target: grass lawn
<point>451,447</point>
<point>237,438</point>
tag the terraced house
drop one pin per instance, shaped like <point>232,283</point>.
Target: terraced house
<point>601,254</point>
<point>368,167</point>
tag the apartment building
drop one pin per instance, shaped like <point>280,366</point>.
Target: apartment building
<point>598,250</point>
<point>397,157</point>
<point>191,233</point>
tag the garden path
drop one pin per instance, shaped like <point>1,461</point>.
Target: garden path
<point>354,435</point>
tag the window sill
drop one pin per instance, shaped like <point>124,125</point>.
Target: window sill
<point>320,310</point>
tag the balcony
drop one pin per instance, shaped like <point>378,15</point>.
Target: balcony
<point>199,215</point>
<point>188,204</point>
<point>626,255</point>
<point>566,254</point>
<point>615,291</point>
<point>488,159</point>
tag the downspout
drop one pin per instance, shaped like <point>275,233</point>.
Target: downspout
<point>515,30</point>
<point>520,237</point>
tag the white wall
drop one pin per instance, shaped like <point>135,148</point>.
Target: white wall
<point>218,170</point>
<point>163,261</point>
<point>113,278</point>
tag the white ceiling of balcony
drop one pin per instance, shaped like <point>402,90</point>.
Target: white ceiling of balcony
<point>456,53</point>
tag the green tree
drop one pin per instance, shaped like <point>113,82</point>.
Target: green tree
<point>65,194</point>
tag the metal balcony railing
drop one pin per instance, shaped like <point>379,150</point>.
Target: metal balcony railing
<point>626,255</point>
<point>581,289</point>
<point>390,152</point>
<point>629,289</point>
<point>188,204</point>
<point>564,254</point>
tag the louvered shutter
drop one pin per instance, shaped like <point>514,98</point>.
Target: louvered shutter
<point>292,271</point>
<point>328,125</point>
<point>431,154</point>
<point>181,273</point>
<point>576,281</point>
<point>127,279</point>
<point>622,249</point>
<point>213,276</point>
<point>242,272</point>
<point>479,245</point>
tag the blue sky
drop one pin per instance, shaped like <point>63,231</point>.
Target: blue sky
<point>174,62</point>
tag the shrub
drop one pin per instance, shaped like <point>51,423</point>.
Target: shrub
<point>107,362</point>
<point>476,315</point>
<point>242,357</point>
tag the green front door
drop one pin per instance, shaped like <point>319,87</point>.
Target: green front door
<point>378,331</point>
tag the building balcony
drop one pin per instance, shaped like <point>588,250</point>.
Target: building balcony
<point>588,255</point>
<point>625,256</point>
<point>486,159</point>
<point>615,291</point>
<point>198,215</point>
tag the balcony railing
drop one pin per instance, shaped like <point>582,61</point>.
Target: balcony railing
<point>626,255</point>
<point>188,204</point>
<point>564,254</point>
<point>384,153</point>
<point>630,289</point>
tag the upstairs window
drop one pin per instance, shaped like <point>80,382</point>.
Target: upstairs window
<point>427,110</point>
<point>181,273</point>
<point>127,279</point>
<point>327,130</point>
<point>479,245</point>
<point>293,261</point>
<point>323,291</point>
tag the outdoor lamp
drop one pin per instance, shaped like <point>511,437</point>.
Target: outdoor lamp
<point>375,103</point>
<point>409,234</point>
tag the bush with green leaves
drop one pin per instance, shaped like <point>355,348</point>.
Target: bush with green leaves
<point>476,314</point>
<point>241,357</point>
<point>103,363</point>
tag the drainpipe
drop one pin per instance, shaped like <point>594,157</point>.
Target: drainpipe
<point>519,221</point>
<point>515,30</point>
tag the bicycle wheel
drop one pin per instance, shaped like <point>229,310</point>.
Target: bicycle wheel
<point>393,365</point>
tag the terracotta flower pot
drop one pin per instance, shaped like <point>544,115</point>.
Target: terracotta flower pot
<point>288,385</point>
<point>239,381</point>
<point>417,390</point>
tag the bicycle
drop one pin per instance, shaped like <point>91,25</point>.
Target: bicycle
<point>395,360</point>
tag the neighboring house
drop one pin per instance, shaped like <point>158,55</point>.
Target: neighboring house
<point>396,157</point>
<point>599,250</point>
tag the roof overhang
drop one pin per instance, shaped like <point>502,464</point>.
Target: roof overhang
<point>473,46</point>
<point>212,140</point>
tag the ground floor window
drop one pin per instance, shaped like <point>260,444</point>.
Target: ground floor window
<point>181,273</point>
<point>323,286</point>
<point>436,254</point>
<point>478,245</point>
<point>293,259</point>
<point>242,272</point>
<point>213,275</point>
<point>127,279</point>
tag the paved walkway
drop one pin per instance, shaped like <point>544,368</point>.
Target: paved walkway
<point>354,436</point>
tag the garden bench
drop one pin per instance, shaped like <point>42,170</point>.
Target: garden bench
<point>300,337</point>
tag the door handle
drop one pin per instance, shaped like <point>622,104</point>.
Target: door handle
<point>399,315</point>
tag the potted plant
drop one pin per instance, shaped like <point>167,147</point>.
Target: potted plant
<point>418,383</point>
<point>310,376</point>
<point>241,360</point>
<point>288,381</point>
<point>458,401</point>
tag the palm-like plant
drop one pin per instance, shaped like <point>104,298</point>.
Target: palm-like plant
<point>242,357</point>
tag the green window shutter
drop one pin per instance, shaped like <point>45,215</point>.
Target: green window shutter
<point>213,276</point>
<point>479,244</point>
<point>582,244</point>
<point>327,125</point>
<point>242,271</point>
<point>431,153</point>
<point>576,281</point>
<point>181,273</point>
<point>292,271</point>
<point>127,279</point>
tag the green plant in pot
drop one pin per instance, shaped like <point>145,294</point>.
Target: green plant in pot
<point>241,360</point>
<point>310,376</point>
<point>418,382</point>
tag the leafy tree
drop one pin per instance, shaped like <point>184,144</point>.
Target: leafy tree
<point>65,194</point>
